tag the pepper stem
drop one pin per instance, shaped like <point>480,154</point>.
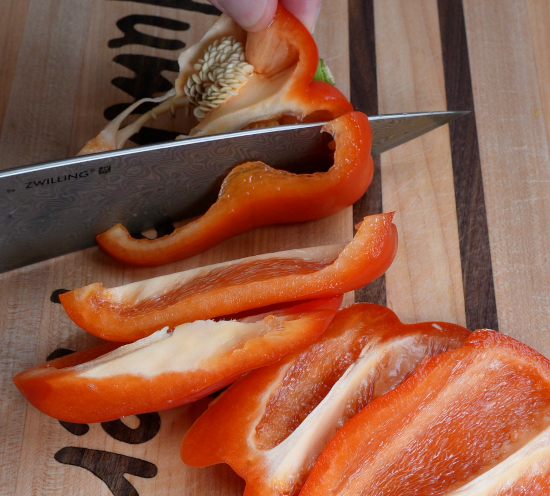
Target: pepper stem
<point>323,73</point>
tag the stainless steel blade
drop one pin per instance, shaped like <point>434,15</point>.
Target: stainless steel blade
<point>55,208</point>
<point>391,130</point>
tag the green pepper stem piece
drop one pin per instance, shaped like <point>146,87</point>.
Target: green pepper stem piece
<point>323,73</point>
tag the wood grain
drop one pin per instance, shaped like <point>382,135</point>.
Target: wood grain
<point>172,476</point>
<point>475,252</point>
<point>44,83</point>
<point>515,160</point>
<point>17,352</point>
<point>364,97</point>
<point>425,281</point>
<point>331,33</point>
<point>12,21</point>
<point>539,19</point>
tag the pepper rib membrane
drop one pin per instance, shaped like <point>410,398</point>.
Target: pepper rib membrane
<point>133,311</point>
<point>170,368</point>
<point>525,473</point>
<point>272,424</point>
<point>458,417</point>
<point>254,194</point>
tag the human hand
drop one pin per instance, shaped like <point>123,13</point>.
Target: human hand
<point>254,15</point>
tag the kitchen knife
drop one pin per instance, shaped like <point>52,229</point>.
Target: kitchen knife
<point>50,209</point>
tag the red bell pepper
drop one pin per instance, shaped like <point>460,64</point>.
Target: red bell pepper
<point>254,194</point>
<point>280,89</point>
<point>170,367</point>
<point>272,424</point>
<point>458,416</point>
<point>131,312</point>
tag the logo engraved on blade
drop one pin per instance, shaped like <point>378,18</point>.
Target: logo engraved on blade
<point>57,179</point>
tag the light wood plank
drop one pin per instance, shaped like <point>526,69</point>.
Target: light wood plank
<point>425,281</point>
<point>331,35</point>
<point>53,478</point>
<point>515,161</point>
<point>12,22</point>
<point>18,345</point>
<point>539,26</point>
<point>38,119</point>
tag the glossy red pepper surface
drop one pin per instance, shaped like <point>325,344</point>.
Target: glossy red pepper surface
<point>458,418</point>
<point>272,424</point>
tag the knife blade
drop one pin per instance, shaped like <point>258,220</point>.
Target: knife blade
<point>54,208</point>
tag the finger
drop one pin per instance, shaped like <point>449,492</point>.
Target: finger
<point>252,15</point>
<point>305,10</point>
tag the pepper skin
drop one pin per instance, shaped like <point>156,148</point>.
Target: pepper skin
<point>254,195</point>
<point>273,423</point>
<point>456,420</point>
<point>170,368</point>
<point>133,311</point>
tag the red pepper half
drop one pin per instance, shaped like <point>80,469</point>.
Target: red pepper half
<point>460,415</point>
<point>133,311</point>
<point>273,423</point>
<point>280,89</point>
<point>254,194</point>
<point>170,368</point>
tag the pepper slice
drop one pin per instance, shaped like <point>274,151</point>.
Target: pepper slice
<point>279,90</point>
<point>133,311</point>
<point>273,423</point>
<point>254,195</point>
<point>459,415</point>
<point>170,368</point>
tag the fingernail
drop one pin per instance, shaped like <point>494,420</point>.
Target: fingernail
<point>306,11</point>
<point>251,15</point>
<point>313,21</point>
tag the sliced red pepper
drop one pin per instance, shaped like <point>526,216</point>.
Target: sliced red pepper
<point>131,312</point>
<point>254,194</point>
<point>279,91</point>
<point>272,424</point>
<point>170,368</point>
<point>460,414</point>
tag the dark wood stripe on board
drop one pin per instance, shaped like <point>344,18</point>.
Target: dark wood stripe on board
<point>475,252</point>
<point>364,97</point>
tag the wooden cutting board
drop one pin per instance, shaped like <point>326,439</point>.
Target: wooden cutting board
<point>471,201</point>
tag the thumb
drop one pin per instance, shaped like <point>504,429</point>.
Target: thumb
<point>252,15</point>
